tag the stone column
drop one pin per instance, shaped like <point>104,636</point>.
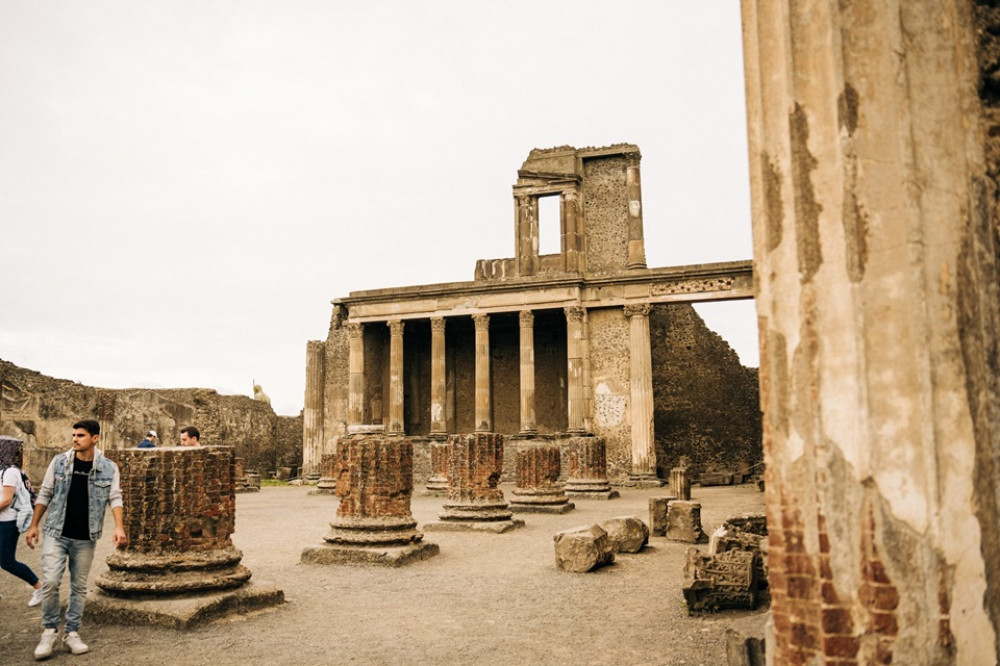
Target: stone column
<point>180,513</point>
<point>396,388</point>
<point>633,189</point>
<point>374,524</point>
<point>527,235</point>
<point>312,412</point>
<point>327,475</point>
<point>587,476</point>
<point>356,374</point>
<point>527,320</point>
<point>875,265</point>
<point>439,386</point>
<point>537,469</point>
<point>574,234</point>
<point>484,417</point>
<point>575,394</point>
<point>680,485</point>
<point>641,394</point>
<point>475,501</point>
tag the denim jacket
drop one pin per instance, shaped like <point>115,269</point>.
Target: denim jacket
<point>104,488</point>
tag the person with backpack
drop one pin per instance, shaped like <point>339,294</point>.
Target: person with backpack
<point>14,495</point>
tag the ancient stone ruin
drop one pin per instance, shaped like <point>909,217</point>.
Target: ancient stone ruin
<point>180,567</point>
<point>538,489</point>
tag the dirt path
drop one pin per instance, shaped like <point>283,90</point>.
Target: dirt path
<point>486,598</point>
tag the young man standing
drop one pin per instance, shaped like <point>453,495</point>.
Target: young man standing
<point>77,487</point>
<point>190,436</point>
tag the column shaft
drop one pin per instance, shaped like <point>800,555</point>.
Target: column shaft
<point>633,185</point>
<point>312,411</point>
<point>575,395</point>
<point>396,391</point>
<point>527,320</point>
<point>641,391</point>
<point>356,374</point>
<point>439,422</point>
<point>484,418</point>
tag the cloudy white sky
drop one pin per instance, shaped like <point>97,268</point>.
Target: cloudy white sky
<point>185,185</point>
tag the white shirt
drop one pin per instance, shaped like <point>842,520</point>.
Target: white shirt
<point>12,478</point>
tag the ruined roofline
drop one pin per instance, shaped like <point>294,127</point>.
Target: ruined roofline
<point>587,151</point>
<point>685,272</point>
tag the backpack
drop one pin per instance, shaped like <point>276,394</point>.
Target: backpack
<point>24,506</point>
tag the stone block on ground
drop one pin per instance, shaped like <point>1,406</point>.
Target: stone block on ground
<point>582,549</point>
<point>658,507</point>
<point>716,479</point>
<point>731,537</point>
<point>684,522</point>
<point>719,582</point>
<point>627,534</point>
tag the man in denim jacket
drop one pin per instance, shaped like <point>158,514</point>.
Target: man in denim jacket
<point>77,487</point>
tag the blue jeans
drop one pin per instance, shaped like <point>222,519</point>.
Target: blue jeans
<point>55,552</point>
<point>8,550</point>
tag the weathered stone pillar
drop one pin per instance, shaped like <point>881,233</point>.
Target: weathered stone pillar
<point>396,388</point>
<point>633,188</point>
<point>575,395</point>
<point>875,265</point>
<point>439,386</point>
<point>475,501</point>
<point>180,512</point>
<point>641,395</point>
<point>438,481</point>
<point>573,233</point>
<point>356,374</point>
<point>484,416</point>
<point>527,235</point>
<point>527,321</point>
<point>680,484</point>
<point>327,475</point>
<point>312,412</point>
<point>374,524</point>
<point>587,475</point>
<point>537,468</point>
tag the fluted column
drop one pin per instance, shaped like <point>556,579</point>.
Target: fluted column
<point>528,426</point>
<point>633,185</point>
<point>484,419</point>
<point>527,235</point>
<point>439,421</point>
<point>312,412</point>
<point>573,232</point>
<point>356,374</point>
<point>575,395</point>
<point>641,391</point>
<point>395,377</point>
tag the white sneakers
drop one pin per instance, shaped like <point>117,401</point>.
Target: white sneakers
<point>72,641</point>
<point>45,645</point>
<point>36,598</point>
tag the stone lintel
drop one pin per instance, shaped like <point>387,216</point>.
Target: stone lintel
<point>383,556</point>
<point>180,612</point>
<point>494,526</point>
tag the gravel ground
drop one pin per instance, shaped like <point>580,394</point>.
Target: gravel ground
<point>486,598</point>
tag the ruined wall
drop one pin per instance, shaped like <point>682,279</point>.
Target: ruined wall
<point>706,402</point>
<point>609,370</point>
<point>41,410</point>
<point>605,209</point>
<point>335,386</point>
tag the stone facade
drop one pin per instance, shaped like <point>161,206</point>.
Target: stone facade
<point>568,344</point>
<point>40,410</point>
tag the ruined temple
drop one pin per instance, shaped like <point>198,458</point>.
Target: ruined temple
<point>573,343</point>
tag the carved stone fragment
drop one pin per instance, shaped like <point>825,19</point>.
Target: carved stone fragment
<point>719,582</point>
<point>582,549</point>
<point>627,534</point>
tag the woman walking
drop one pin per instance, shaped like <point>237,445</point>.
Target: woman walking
<point>11,459</point>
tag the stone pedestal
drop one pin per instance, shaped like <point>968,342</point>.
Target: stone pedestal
<point>684,522</point>
<point>658,509</point>
<point>588,469</point>
<point>680,485</point>
<point>241,484</point>
<point>327,483</point>
<point>537,466</point>
<point>180,561</point>
<point>373,524</point>
<point>253,480</point>
<point>437,484</point>
<point>475,502</point>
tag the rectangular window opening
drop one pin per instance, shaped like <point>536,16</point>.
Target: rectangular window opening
<point>549,225</point>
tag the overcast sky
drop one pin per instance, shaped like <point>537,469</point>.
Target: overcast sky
<point>185,185</point>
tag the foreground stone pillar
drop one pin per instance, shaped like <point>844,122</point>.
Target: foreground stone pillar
<point>641,396</point>
<point>680,484</point>
<point>356,374</point>
<point>527,329</point>
<point>179,568</point>
<point>576,406</point>
<point>538,465</point>
<point>438,481</point>
<point>875,265</point>
<point>312,411</point>
<point>373,524</point>
<point>587,476</point>
<point>439,381</point>
<point>327,475</point>
<point>484,417</point>
<point>475,502</point>
<point>396,388</point>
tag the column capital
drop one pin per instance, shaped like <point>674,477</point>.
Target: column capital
<point>574,313</point>
<point>637,310</point>
<point>437,324</point>
<point>354,329</point>
<point>526,318</point>
<point>569,195</point>
<point>395,326</point>
<point>482,321</point>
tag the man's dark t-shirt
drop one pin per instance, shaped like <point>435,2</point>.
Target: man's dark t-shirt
<point>77,524</point>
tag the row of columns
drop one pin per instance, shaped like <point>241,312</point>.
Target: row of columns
<point>641,396</point>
